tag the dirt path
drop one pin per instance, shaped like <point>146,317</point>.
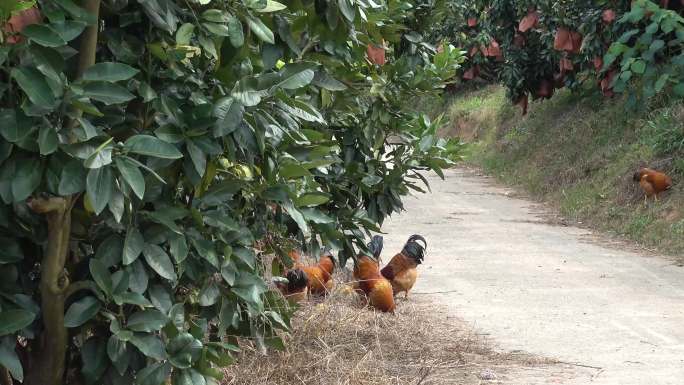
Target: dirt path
<point>545,289</point>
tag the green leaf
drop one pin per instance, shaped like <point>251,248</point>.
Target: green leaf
<point>118,354</point>
<point>10,360</point>
<point>85,105</point>
<point>312,199</point>
<point>678,89</point>
<point>639,66</point>
<point>159,261</point>
<point>260,29</point>
<point>109,251</point>
<point>133,246</point>
<point>77,12</point>
<point>47,140</point>
<point>229,113</point>
<point>297,80</point>
<point>101,276</point>
<point>107,93</point>
<point>102,155</point>
<point>217,29</point>
<point>296,216</point>
<point>184,350</point>
<point>249,287</point>
<point>13,320</point>
<point>301,110</point>
<point>185,33</point>
<point>10,251</point>
<point>160,298</point>
<point>206,250</point>
<point>177,315</point>
<point>255,4</point>
<point>73,178</point>
<point>94,357</point>
<point>109,72</point>
<point>139,278</point>
<point>229,271</point>
<point>4,53</point>
<point>661,82</point>
<point>293,170</point>
<point>178,247</point>
<point>152,146</point>
<point>68,30</point>
<point>348,9</point>
<point>36,87</point>
<point>237,36</point>
<point>371,180</point>
<point>132,299</point>
<point>324,80</point>
<point>245,255</point>
<point>216,15</point>
<point>272,6</point>
<point>99,187</point>
<point>148,320</point>
<point>199,159</point>
<point>188,377</point>
<point>209,294</point>
<point>316,216</point>
<point>81,311</point>
<point>149,345</point>
<point>147,92</point>
<point>14,126</point>
<point>131,174</point>
<point>44,35</point>
<point>154,374</point>
<point>26,178</point>
<point>208,45</point>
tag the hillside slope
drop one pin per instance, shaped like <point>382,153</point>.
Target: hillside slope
<point>579,154</point>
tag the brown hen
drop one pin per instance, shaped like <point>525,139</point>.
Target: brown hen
<point>652,182</point>
<point>370,282</point>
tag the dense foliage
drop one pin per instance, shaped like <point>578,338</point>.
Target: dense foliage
<point>536,46</point>
<point>151,151</point>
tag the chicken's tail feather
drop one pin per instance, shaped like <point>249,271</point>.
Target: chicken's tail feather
<point>375,246</point>
<point>414,249</point>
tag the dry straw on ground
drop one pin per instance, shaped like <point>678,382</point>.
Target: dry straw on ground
<point>339,341</point>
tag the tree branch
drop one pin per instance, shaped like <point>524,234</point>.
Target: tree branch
<point>87,53</point>
<point>78,286</point>
<point>49,205</point>
<point>5,377</point>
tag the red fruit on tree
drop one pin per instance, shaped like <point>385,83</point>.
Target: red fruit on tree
<point>608,16</point>
<point>376,54</point>
<point>529,21</point>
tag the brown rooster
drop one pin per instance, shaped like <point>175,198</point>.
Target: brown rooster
<point>652,182</point>
<point>370,282</point>
<point>401,270</point>
<point>296,287</point>
<point>319,276</point>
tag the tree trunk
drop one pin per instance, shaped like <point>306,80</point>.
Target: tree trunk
<point>47,362</point>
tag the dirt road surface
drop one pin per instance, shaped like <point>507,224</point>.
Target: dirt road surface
<point>557,291</point>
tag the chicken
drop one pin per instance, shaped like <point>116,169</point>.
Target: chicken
<point>296,288</point>
<point>402,271</point>
<point>652,182</point>
<point>319,276</point>
<point>370,282</point>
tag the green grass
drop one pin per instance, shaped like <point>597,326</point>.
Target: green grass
<point>579,153</point>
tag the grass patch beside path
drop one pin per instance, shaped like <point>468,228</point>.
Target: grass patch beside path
<point>579,154</point>
<point>339,341</point>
